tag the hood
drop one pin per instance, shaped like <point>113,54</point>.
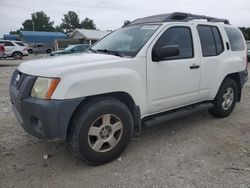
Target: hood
<point>55,66</point>
<point>59,51</point>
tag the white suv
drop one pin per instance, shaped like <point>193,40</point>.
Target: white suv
<point>152,67</point>
<point>15,49</point>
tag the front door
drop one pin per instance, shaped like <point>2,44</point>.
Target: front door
<point>173,82</point>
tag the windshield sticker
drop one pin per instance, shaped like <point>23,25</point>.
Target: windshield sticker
<point>149,27</point>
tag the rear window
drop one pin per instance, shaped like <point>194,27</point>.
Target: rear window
<point>236,41</point>
<point>19,43</point>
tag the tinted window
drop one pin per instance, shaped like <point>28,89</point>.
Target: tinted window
<point>180,36</point>
<point>211,41</point>
<point>19,43</point>
<point>237,43</point>
<point>8,44</point>
<point>207,41</point>
<point>218,40</point>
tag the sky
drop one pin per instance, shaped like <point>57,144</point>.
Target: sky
<point>110,14</point>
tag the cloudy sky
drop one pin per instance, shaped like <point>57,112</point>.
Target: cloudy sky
<point>110,14</point>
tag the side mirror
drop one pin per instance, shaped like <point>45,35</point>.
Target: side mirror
<point>166,53</point>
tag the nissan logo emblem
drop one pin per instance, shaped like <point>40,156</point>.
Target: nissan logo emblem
<point>17,79</point>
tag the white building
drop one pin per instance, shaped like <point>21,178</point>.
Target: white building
<point>88,36</point>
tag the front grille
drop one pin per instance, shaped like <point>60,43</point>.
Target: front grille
<point>21,84</point>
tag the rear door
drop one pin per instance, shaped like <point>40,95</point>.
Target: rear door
<point>213,54</point>
<point>9,48</point>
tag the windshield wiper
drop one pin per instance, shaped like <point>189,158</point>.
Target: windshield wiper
<point>92,50</point>
<point>110,52</point>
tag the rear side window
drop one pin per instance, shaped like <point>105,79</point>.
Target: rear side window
<point>8,44</point>
<point>237,43</point>
<point>180,36</point>
<point>19,43</point>
<point>211,41</point>
<point>218,40</point>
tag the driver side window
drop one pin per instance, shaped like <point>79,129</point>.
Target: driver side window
<point>180,36</point>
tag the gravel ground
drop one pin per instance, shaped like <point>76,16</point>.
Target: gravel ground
<point>193,151</point>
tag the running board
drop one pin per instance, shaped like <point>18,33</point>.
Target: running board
<point>173,114</point>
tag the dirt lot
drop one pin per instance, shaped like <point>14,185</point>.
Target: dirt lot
<point>193,151</point>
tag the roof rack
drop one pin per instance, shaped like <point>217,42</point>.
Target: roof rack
<point>177,17</point>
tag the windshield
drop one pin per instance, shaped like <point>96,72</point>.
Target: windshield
<point>126,41</point>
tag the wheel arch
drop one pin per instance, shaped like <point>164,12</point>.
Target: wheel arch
<point>16,52</point>
<point>236,78</point>
<point>124,97</point>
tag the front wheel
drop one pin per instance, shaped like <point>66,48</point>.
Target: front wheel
<point>101,130</point>
<point>225,99</point>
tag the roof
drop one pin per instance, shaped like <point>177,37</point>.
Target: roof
<point>41,36</point>
<point>88,34</point>
<point>176,17</point>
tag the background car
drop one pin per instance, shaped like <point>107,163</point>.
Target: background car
<point>2,51</point>
<point>40,48</point>
<point>78,48</point>
<point>15,49</point>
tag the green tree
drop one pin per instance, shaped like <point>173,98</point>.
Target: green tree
<point>39,22</point>
<point>126,22</point>
<point>70,22</point>
<point>15,32</point>
<point>246,32</point>
<point>58,28</point>
<point>88,24</point>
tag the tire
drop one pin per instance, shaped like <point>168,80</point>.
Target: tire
<point>17,55</point>
<point>108,121</point>
<point>225,99</point>
<point>48,51</point>
<point>30,51</point>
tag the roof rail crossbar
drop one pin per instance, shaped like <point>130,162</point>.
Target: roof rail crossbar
<point>177,16</point>
<point>180,16</point>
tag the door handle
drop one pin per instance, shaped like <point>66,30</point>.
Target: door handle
<point>194,66</point>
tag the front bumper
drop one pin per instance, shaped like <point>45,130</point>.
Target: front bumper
<point>42,118</point>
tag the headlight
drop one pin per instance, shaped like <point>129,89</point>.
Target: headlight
<point>43,88</point>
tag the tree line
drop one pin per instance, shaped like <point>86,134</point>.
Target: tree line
<point>39,21</point>
<point>246,32</point>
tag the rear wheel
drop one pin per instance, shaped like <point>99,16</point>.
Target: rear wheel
<point>48,51</point>
<point>225,99</point>
<point>101,130</point>
<point>17,55</point>
<point>30,51</point>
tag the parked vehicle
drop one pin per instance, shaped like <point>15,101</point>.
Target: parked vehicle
<point>14,49</point>
<point>153,67</point>
<point>40,48</point>
<point>78,48</point>
<point>2,51</point>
